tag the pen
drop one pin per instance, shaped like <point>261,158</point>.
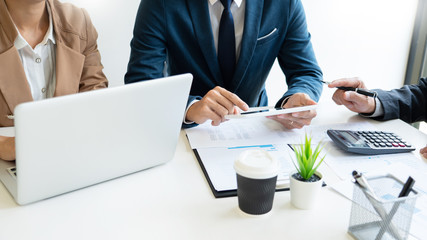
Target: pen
<point>259,109</point>
<point>361,181</point>
<point>407,188</point>
<point>358,90</point>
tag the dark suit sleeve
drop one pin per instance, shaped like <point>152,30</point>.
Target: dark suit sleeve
<point>407,103</point>
<point>296,57</point>
<point>148,46</point>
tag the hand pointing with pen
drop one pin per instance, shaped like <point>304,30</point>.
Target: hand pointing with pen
<point>352,100</point>
<point>408,103</point>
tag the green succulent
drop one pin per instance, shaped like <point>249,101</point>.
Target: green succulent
<point>306,158</point>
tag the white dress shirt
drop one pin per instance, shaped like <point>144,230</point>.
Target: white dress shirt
<point>238,10</point>
<point>215,11</point>
<point>39,63</point>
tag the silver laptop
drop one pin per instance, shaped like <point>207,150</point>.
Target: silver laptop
<point>71,142</point>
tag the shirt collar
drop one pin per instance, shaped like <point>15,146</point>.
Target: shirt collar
<point>238,2</point>
<point>20,42</point>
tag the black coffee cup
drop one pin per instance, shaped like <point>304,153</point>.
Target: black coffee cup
<point>256,172</point>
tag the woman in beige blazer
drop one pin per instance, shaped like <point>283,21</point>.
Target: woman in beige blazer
<point>76,65</point>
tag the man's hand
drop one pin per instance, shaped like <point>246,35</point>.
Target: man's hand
<point>352,100</point>
<point>298,119</point>
<point>423,152</point>
<point>217,103</point>
<point>7,148</point>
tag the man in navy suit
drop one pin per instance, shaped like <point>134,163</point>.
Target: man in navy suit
<point>408,103</point>
<point>188,36</point>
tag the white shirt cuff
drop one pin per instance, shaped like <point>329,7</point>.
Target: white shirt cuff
<point>186,110</point>
<point>379,111</point>
<point>284,101</point>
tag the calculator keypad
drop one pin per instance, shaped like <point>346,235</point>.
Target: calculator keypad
<point>381,139</point>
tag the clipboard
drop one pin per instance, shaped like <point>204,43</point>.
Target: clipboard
<point>229,191</point>
<point>222,193</point>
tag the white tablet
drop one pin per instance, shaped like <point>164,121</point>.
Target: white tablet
<point>269,111</point>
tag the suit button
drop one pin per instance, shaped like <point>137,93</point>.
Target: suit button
<point>43,90</point>
<point>38,60</point>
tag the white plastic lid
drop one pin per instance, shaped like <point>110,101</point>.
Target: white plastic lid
<point>257,164</point>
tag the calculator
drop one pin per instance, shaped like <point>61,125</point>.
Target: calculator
<point>369,142</point>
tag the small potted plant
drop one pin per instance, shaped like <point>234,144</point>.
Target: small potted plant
<point>306,182</point>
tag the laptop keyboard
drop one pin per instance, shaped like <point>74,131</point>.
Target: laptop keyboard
<point>12,171</point>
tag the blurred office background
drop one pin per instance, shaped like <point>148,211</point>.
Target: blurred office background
<point>381,41</point>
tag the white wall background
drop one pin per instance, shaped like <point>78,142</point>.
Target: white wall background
<point>114,20</point>
<point>365,38</point>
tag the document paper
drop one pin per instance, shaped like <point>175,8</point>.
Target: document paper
<point>260,131</point>
<point>218,147</point>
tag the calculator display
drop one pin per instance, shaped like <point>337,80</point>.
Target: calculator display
<point>351,138</point>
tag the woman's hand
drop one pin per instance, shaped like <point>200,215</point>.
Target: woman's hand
<point>7,148</point>
<point>423,152</point>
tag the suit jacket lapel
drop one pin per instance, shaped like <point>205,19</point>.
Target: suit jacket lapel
<point>14,85</point>
<point>69,66</point>
<point>253,15</point>
<point>69,63</point>
<point>13,81</point>
<point>7,24</point>
<point>199,12</point>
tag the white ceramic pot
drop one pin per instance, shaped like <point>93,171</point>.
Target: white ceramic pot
<point>304,194</point>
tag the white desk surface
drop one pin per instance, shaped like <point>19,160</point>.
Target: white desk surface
<point>174,201</point>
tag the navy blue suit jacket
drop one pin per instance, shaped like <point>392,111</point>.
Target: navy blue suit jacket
<point>179,32</point>
<point>408,103</point>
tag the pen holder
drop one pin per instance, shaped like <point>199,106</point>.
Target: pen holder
<point>385,216</point>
